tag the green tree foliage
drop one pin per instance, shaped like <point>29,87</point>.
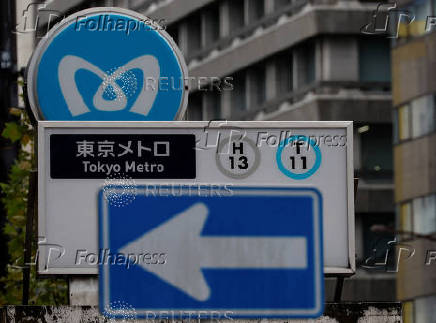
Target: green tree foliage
<point>42,291</point>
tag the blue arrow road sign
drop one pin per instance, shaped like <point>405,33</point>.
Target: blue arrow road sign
<point>249,251</point>
<point>107,64</point>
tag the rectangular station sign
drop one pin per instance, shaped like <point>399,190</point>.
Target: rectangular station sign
<point>85,167</point>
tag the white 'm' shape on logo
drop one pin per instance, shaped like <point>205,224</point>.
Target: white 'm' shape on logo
<point>70,64</point>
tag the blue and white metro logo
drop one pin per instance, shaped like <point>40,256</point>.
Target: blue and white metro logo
<point>109,86</point>
<point>108,74</point>
<point>254,253</point>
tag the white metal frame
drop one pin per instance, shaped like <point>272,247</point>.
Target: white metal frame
<point>348,125</point>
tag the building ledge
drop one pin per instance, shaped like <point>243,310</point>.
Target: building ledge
<point>311,21</point>
<point>326,100</point>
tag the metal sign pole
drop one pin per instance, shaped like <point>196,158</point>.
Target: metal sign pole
<point>340,279</point>
<point>32,198</point>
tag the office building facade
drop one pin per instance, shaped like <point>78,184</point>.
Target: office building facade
<point>294,60</point>
<point>413,95</point>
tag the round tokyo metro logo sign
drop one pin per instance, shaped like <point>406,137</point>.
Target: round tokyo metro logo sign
<point>107,64</point>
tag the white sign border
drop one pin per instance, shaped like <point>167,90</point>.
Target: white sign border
<point>104,296</point>
<point>43,150</point>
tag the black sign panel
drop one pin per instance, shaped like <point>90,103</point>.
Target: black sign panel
<point>137,156</point>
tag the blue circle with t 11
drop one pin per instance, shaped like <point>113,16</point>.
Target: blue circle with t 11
<point>290,140</point>
<point>107,65</point>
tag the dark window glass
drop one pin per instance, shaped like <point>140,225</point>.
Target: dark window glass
<point>195,107</point>
<point>173,31</point>
<point>238,94</point>
<point>376,150</point>
<point>236,14</point>
<point>194,33</point>
<point>284,73</point>
<point>374,60</point>
<point>212,23</point>
<point>378,237</point>
<point>255,10</point>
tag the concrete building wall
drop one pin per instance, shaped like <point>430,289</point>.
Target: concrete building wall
<point>414,65</point>
<point>417,274</point>
<point>311,22</point>
<point>413,91</point>
<point>415,174</point>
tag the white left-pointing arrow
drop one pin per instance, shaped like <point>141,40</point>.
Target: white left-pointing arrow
<point>188,252</point>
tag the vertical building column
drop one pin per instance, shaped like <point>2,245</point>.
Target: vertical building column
<point>297,69</point>
<point>210,24</point>
<point>269,6</point>
<point>250,90</point>
<point>224,18</point>
<point>357,150</point>
<point>247,8</point>
<point>205,104</point>
<point>304,65</point>
<point>204,28</point>
<point>183,37</point>
<point>319,60</point>
<point>271,79</point>
<point>340,61</point>
<point>226,109</point>
<point>253,10</point>
<point>210,105</point>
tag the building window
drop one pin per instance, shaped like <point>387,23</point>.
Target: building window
<point>238,95</point>
<point>423,115</point>
<point>284,73</point>
<point>255,10</point>
<point>211,24</point>
<point>305,64</point>
<point>374,60</point>
<point>194,33</point>
<point>195,107</point>
<point>173,31</point>
<point>213,104</point>
<point>418,216</point>
<point>424,214</point>
<point>236,12</point>
<point>376,160</point>
<point>425,309</point>
<point>415,119</point>
<point>376,244</point>
<point>309,54</point>
<point>256,85</point>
